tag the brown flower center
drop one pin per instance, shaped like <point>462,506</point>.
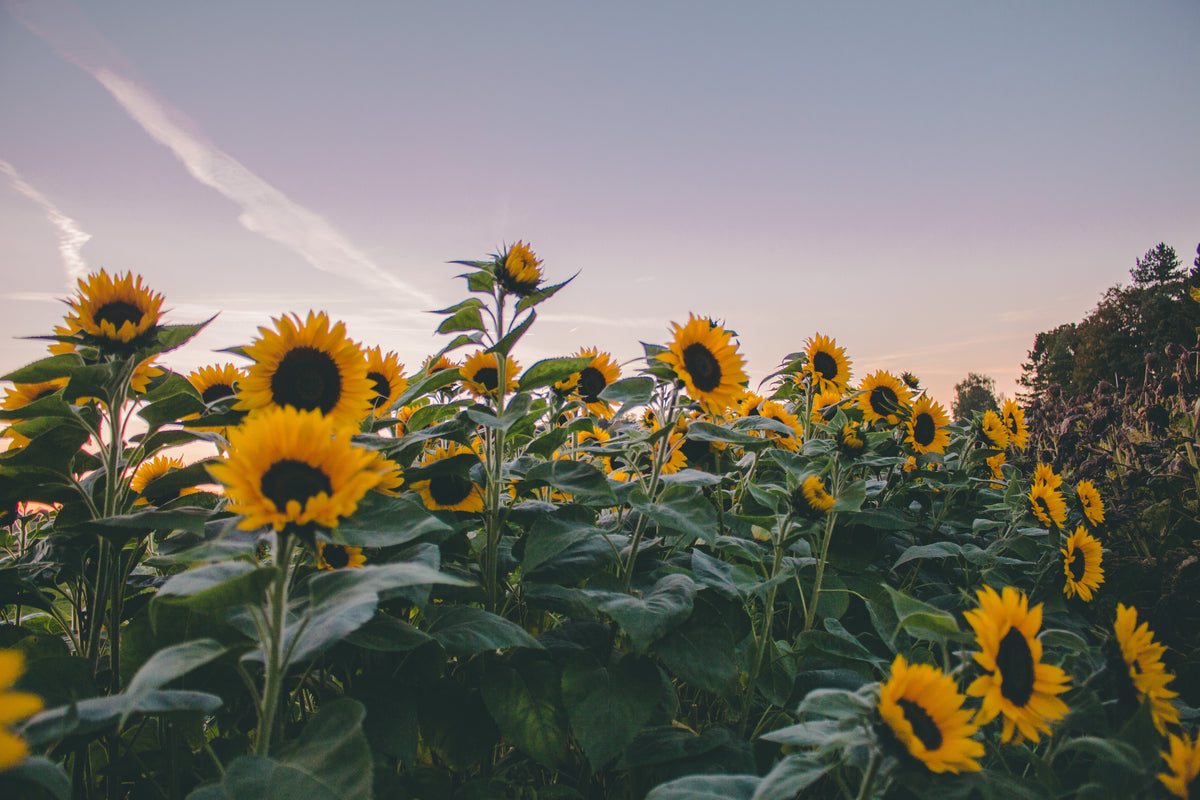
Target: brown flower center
<point>924,430</point>
<point>289,479</point>
<point>381,386</point>
<point>450,490</point>
<point>218,391</point>
<point>307,379</point>
<point>335,555</point>
<point>591,384</point>
<point>825,365</point>
<point>702,366</point>
<point>117,313</point>
<point>923,725</point>
<point>884,401</point>
<point>1014,662</point>
<point>488,378</point>
<point>1077,565</point>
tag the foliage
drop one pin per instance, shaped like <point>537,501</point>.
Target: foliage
<point>974,393</point>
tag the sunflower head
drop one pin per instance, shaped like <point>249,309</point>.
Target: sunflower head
<point>481,374</point>
<point>335,555</point>
<point>824,405</point>
<point>1082,564</point>
<point>1089,499</point>
<point>995,468</point>
<point>851,440</point>
<point>449,490</point>
<point>922,711</point>
<point>707,362</point>
<point>826,365</point>
<point>386,374</point>
<point>1183,760</point>
<point>114,310</point>
<point>1014,422</point>
<point>810,499</point>
<point>152,470</point>
<point>991,432</point>
<point>926,427</point>
<point>1141,674</point>
<point>1048,505</point>
<point>883,397</point>
<point>1044,474</point>
<point>594,379</point>
<point>216,383</point>
<point>294,468</point>
<point>309,366</point>
<point>23,394</point>
<point>14,707</point>
<point>787,441</point>
<point>519,271</point>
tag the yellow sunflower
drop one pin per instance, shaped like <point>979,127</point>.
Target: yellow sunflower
<point>811,498</point>
<point>994,465</point>
<point>827,364</point>
<point>883,396</point>
<point>923,711</point>
<point>333,555</point>
<point>151,470</point>
<point>1089,498</point>
<point>22,394</point>
<point>851,440</point>
<point>1016,684</point>
<point>385,372</point>
<point>594,378</point>
<point>1013,418</point>
<point>1082,558</point>
<point>927,427</point>
<point>1147,676</point>
<point>308,366</point>
<point>14,707</point>
<point>1048,505</point>
<point>519,271</point>
<point>707,362</point>
<point>824,402</point>
<point>786,441</point>
<point>294,467</point>
<point>481,374</point>
<point>117,308</point>
<point>449,492</point>
<point>1183,762</point>
<point>218,382</point>
<point>992,433</point>
<point>1044,475</point>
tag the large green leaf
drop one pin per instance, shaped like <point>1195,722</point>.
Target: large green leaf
<point>702,651</point>
<point>89,718</point>
<point>330,761</point>
<point>680,508</point>
<point>791,776</point>
<point>456,725</point>
<point>525,700</point>
<point>550,536</point>
<point>35,774</point>
<point>647,619</point>
<point>466,630</point>
<point>584,482</point>
<point>382,521</point>
<point>923,621</point>
<point>607,707</point>
<point>707,787</point>
<point>549,371</point>
<point>170,663</point>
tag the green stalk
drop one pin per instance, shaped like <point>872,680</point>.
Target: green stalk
<point>765,638</point>
<point>494,463</point>
<point>867,787</point>
<point>277,599</point>
<point>823,556</point>
<point>660,458</point>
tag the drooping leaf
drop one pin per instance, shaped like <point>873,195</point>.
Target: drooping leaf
<point>465,630</point>
<point>647,619</point>
<point>525,700</point>
<point>607,707</point>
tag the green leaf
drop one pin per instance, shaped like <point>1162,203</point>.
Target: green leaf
<point>550,536</point>
<point>629,391</point>
<point>550,371</point>
<point>120,529</point>
<point>46,369</point>
<point>91,717</point>
<point>607,707</point>
<point>791,776</point>
<point>647,619</point>
<point>432,414</point>
<point>707,787</point>
<point>935,550</point>
<point>170,337</point>
<point>528,709</point>
<point>542,294</point>
<point>171,409</point>
<point>702,651</point>
<point>330,761</point>
<point>382,521</point>
<point>505,345</point>
<point>681,508</point>
<point>708,432</point>
<point>923,621</point>
<point>35,773</point>
<point>170,663</point>
<point>584,482</point>
<point>456,725</point>
<point>214,588</point>
<point>466,630</point>
<point>464,316</point>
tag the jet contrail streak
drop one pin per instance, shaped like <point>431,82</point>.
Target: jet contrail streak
<point>71,238</point>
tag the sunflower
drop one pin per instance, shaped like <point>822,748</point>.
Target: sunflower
<point>14,707</point>
<point>708,364</point>
<point>334,555</point>
<point>215,383</point>
<point>882,397</point>
<point>563,389</point>
<point>294,467</point>
<point>1184,759</point>
<point>450,491</point>
<point>810,498</point>
<point>749,405</point>
<point>1014,422</point>
<point>1016,685</point>
<point>1044,475</point>
<point>481,374</point>
<point>1048,505</point>
<point>827,364</point>
<point>1089,498</point>
<point>117,309</point>
<point>994,465</point>
<point>992,433</point>
<point>824,402</point>
<point>308,366</point>
<point>151,470</point>
<point>22,394</point>
<point>1081,563</point>
<point>851,440</point>
<point>594,378</point>
<point>923,711</point>
<point>1147,676</point>
<point>787,441</point>
<point>927,427</point>
<point>387,380</point>
<point>519,271</point>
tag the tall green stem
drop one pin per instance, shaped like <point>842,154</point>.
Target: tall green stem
<point>823,555</point>
<point>277,600</point>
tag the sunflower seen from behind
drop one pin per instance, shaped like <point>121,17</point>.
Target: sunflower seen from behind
<point>1082,559</point>
<point>116,309</point>
<point>1143,677</point>
<point>706,360</point>
<point>1016,685</point>
<point>883,398</point>
<point>1183,762</point>
<point>810,498</point>
<point>308,366</point>
<point>826,364</point>
<point>518,271</point>
<point>288,467</point>
<point>14,707</point>
<point>922,710</point>
<point>927,427</point>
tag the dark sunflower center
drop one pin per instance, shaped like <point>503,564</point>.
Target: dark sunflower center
<point>218,391</point>
<point>923,725</point>
<point>591,384</point>
<point>1044,505</point>
<point>488,378</point>
<point>307,379</point>
<point>335,555</point>
<point>117,313</point>
<point>884,400</point>
<point>825,365</point>
<point>1077,566</point>
<point>1015,664</point>
<point>288,479</point>
<point>703,366</point>
<point>449,490</point>
<point>924,430</point>
<point>381,386</point>
<point>51,390</point>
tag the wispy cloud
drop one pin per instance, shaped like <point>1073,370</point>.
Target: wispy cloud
<point>265,210</point>
<point>71,237</point>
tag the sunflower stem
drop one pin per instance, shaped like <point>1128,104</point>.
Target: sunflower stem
<point>823,557</point>
<point>765,637</point>
<point>275,667</point>
<point>661,451</point>
<point>867,788</point>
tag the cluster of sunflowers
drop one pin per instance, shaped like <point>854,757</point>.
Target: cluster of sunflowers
<point>700,492</point>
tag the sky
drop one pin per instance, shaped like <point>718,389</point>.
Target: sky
<point>930,183</point>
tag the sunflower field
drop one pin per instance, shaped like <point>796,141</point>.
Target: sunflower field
<point>304,573</point>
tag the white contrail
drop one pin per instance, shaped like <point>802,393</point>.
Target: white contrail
<point>264,209</point>
<point>71,238</point>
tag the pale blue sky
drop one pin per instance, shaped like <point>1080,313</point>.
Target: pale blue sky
<point>929,183</point>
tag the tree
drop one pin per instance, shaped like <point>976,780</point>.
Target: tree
<point>1158,265</point>
<point>974,393</point>
<point>1051,361</point>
